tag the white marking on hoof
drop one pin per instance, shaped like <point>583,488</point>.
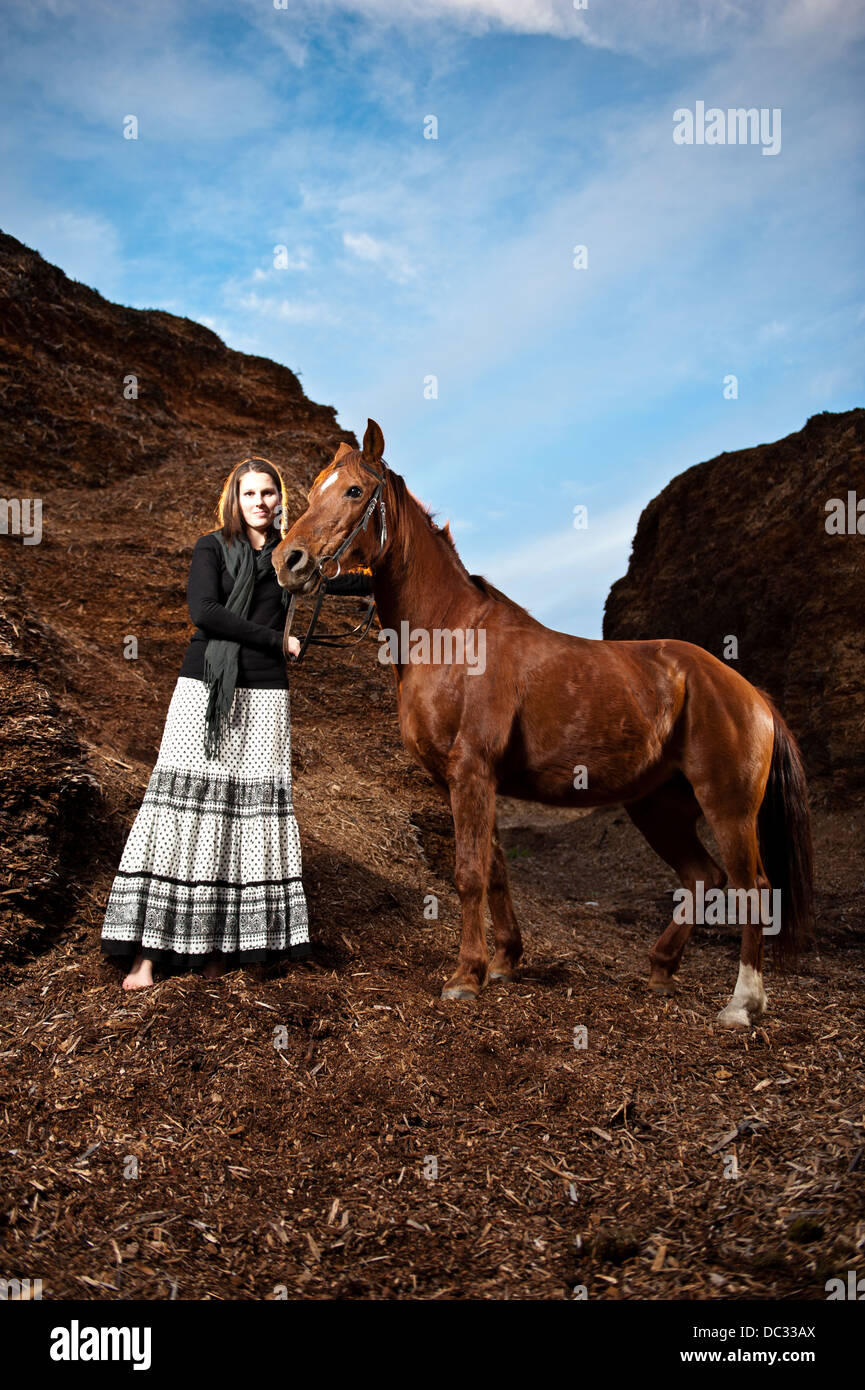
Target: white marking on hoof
<point>734,1017</point>
<point>748,1001</point>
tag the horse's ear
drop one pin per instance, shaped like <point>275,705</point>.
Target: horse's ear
<point>342,451</point>
<point>373,442</point>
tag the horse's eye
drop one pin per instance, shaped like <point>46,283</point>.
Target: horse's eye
<point>354,492</point>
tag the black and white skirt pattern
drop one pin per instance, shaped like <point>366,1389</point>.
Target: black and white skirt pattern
<point>212,862</point>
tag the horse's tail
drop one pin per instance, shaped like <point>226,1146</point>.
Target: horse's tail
<point>786,848</point>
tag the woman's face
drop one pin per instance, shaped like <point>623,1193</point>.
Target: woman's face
<point>259,499</point>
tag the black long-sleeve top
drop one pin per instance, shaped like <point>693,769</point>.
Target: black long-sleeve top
<point>260,660</point>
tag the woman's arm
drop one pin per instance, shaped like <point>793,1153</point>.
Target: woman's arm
<point>203,594</point>
<point>359,584</point>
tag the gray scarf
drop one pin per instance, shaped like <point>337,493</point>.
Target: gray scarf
<point>245,565</point>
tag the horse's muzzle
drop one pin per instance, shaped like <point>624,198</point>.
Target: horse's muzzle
<point>295,569</point>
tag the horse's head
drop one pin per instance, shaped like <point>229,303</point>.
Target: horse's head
<point>337,503</point>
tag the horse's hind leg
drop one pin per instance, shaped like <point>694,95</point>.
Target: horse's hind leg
<point>509,945</point>
<point>737,843</point>
<point>668,819</point>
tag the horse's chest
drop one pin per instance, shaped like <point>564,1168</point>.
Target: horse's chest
<point>424,736</point>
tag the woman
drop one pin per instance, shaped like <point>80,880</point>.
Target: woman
<point>211,870</point>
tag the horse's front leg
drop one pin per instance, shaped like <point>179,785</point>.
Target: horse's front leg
<point>509,944</point>
<point>473,803</point>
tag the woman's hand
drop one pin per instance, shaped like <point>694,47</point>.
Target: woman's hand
<point>293,646</point>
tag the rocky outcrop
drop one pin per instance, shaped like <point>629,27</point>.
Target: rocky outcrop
<point>738,547</point>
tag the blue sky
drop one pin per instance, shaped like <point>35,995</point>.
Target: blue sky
<point>409,257</point>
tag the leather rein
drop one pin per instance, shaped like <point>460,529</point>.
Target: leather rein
<point>347,639</point>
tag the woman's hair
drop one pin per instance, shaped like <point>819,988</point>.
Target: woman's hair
<point>228,508</point>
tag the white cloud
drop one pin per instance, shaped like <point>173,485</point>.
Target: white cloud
<point>379,253</point>
<point>365,246</point>
<point>630,26</point>
<point>104,62</point>
<point>288,310</point>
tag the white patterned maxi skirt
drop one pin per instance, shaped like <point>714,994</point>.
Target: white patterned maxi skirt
<point>212,862</point>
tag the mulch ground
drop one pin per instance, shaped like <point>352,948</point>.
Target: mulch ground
<point>335,1130</point>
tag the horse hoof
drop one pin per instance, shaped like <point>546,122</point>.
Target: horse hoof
<point>503,976</point>
<point>458,992</point>
<point>663,986</point>
<point>734,1018</point>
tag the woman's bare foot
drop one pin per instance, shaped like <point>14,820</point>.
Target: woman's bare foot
<point>215,967</point>
<point>141,974</point>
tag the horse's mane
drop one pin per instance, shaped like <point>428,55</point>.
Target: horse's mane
<point>402,498</point>
<point>403,495</point>
<point>492,592</point>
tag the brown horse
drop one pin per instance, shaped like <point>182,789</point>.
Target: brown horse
<point>661,727</point>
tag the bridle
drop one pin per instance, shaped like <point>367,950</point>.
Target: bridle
<point>341,639</point>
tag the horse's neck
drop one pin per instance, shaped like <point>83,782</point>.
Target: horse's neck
<point>419,576</point>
